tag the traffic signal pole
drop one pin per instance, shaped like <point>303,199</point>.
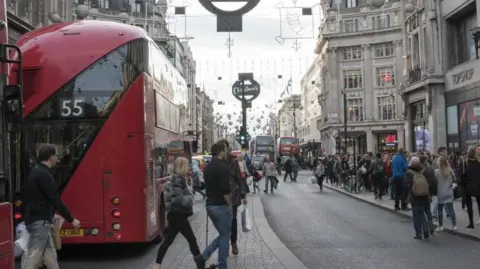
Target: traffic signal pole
<point>245,93</point>
<point>243,132</point>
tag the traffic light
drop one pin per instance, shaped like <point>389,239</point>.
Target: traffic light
<point>243,138</point>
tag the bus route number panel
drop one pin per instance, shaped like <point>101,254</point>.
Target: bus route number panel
<point>72,108</point>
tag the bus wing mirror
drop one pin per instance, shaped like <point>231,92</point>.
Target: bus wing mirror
<point>13,103</point>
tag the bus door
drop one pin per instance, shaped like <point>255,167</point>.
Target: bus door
<point>13,123</point>
<point>11,134</point>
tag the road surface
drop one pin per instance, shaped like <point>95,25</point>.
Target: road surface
<point>330,230</point>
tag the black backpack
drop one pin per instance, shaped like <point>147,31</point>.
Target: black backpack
<point>379,166</point>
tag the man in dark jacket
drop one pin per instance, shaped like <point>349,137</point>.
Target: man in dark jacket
<point>377,169</point>
<point>288,167</point>
<point>420,184</point>
<point>41,199</point>
<point>238,186</point>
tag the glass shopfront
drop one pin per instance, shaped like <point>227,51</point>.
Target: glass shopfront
<point>468,120</point>
<point>387,142</point>
<point>421,137</point>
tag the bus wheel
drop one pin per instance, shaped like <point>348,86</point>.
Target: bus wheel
<point>162,219</point>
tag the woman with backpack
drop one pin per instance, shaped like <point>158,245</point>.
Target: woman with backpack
<point>179,206</point>
<point>445,180</point>
<point>420,184</point>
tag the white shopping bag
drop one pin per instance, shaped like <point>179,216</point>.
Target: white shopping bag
<point>22,236</point>
<point>249,181</point>
<point>313,180</point>
<point>246,223</point>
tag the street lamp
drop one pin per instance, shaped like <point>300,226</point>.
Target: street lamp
<point>345,118</point>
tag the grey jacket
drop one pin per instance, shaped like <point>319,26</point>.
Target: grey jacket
<point>178,197</point>
<point>268,169</point>
<point>444,186</point>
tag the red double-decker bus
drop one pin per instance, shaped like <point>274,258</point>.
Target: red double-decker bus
<point>109,99</point>
<point>287,145</point>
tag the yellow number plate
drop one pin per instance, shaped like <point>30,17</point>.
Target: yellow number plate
<point>71,232</point>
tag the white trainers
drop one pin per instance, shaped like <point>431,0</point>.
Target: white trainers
<point>454,227</point>
<point>439,228</point>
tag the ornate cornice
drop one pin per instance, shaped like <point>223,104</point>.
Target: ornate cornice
<point>18,24</point>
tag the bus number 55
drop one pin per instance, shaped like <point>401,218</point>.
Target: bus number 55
<point>72,108</point>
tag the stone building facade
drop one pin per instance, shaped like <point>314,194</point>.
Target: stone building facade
<point>360,56</point>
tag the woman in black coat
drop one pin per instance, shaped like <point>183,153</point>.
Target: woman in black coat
<point>471,182</point>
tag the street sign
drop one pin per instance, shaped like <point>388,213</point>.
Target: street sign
<point>250,91</point>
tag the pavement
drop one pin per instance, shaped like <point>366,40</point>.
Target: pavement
<point>387,204</point>
<point>259,248</point>
<point>333,231</point>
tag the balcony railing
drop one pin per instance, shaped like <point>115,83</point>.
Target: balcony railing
<point>414,74</point>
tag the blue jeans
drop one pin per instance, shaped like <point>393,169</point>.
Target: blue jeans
<point>449,209</point>
<point>435,208</point>
<point>221,217</point>
<point>420,215</point>
<point>40,247</point>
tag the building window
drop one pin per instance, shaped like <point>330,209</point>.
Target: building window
<point>386,108</point>
<point>352,79</point>
<point>381,22</point>
<point>459,39</point>
<point>104,4</point>
<point>355,109</point>
<point>384,50</point>
<point>351,3</point>
<point>385,76</point>
<point>352,53</point>
<point>350,26</point>
<point>135,7</point>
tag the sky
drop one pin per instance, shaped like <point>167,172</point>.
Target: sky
<point>255,49</point>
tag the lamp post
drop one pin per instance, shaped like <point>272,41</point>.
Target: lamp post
<point>345,118</point>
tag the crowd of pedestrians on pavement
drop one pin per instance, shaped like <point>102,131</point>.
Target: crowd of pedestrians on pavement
<point>430,183</point>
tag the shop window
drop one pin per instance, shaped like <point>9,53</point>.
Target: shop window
<point>468,123</point>
<point>452,120</point>
<point>422,137</point>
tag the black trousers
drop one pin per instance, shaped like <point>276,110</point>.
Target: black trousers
<point>377,181</point>
<point>177,223</point>
<point>234,231</point>
<point>400,198</point>
<point>320,181</point>
<point>469,204</point>
<point>289,173</point>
